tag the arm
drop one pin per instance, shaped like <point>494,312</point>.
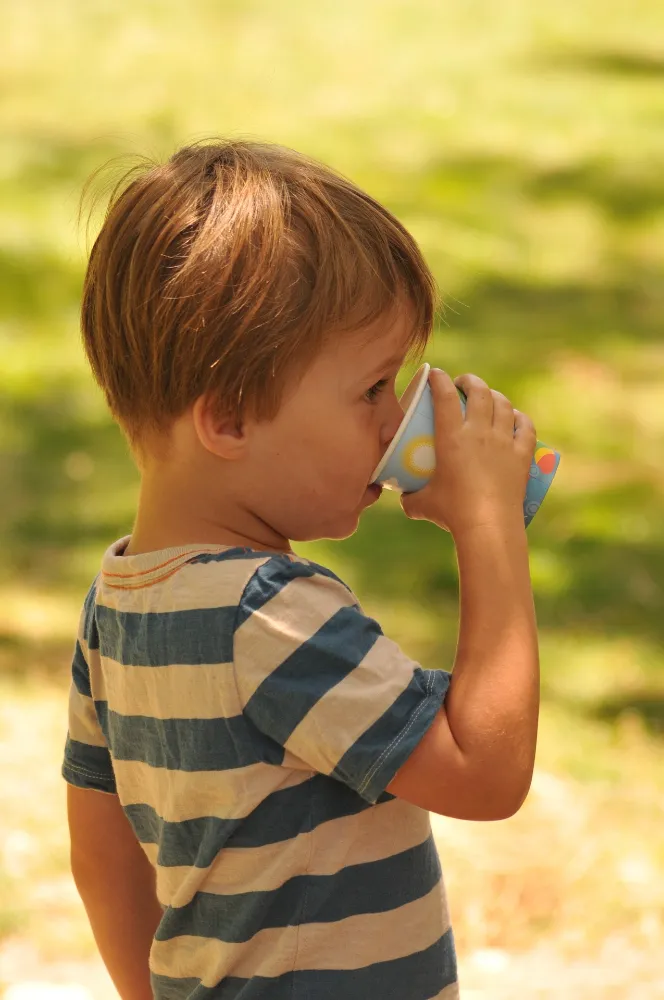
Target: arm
<point>493,704</point>
<point>476,761</point>
<point>117,885</point>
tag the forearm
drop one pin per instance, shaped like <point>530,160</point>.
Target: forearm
<point>123,911</point>
<point>493,702</point>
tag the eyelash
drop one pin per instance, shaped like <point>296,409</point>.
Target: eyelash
<point>373,393</point>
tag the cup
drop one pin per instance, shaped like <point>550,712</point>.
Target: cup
<point>410,459</point>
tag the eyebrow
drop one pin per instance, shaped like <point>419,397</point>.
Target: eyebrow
<point>396,359</point>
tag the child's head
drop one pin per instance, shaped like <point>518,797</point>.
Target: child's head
<point>234,288</point>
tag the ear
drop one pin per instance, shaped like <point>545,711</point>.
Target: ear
<point>218,434</point>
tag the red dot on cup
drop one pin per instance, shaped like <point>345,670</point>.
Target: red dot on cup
<point>546,463</point>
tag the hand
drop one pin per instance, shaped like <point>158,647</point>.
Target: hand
<point>482,462</point>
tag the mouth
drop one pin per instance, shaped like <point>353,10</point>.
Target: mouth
<point>375,489</point>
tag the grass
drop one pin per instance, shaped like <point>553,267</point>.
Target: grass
<point>522,146</point>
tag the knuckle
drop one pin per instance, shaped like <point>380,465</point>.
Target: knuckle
<point>471,381</point>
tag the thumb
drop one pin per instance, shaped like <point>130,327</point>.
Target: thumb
<point>409,505</point>
<point>414,506</point>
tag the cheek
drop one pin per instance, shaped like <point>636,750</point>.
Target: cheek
<point>324,440</point>
<point>323,451</point>
<point>328,475</point>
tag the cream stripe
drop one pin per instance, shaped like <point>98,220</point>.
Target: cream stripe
<point>87,653</point>
<point>271,634</point>
<point>350,707</point>
<point>351,943</point>
<point>375,937</point>
<point>152,851</point>
<point>173,691</point>
<point>203,585</point>
<point>270,952</point>
<point>181,795</point>
<point>368,836</point>
<point>172,893</point>
<point>83,723</point>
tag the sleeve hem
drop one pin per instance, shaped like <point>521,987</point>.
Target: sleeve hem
<point>381,772</point>
<point>81,777</point>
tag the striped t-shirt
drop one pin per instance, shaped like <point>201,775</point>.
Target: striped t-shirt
<point>250,716</point>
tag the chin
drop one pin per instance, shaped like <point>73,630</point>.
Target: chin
<point>334,532</point>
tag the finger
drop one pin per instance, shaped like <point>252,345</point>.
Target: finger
<point>525,434</point>
<point>479,401</point>
<point>503,413</point>
<point>446,408</point>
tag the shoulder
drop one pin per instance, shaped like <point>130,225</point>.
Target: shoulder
<point>283,568</point>
<point>290,582</point>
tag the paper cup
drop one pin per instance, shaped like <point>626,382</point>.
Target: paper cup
<point>408,463</point>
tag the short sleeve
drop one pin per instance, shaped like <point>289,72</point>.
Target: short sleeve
<point>87,761</point>
<point>319,677</point>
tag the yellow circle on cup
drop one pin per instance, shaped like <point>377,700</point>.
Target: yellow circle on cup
<point>545,459</point>
<point>419,456</point>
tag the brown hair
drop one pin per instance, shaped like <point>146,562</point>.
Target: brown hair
<point>223,270</point>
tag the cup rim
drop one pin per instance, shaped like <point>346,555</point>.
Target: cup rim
<point>423,374</point>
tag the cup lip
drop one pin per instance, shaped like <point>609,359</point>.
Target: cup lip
<point>423,374</point>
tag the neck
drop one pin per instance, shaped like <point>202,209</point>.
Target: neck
<point>170,514</point>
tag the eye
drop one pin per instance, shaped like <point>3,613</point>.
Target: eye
<point>374,392</point>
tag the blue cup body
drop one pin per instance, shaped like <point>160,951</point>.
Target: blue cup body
<point>412,462</point>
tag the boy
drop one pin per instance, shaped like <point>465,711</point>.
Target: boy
<point>251,762</point>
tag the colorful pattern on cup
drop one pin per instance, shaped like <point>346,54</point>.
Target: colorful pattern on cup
<point>408,464</point>
<point>542,470</point>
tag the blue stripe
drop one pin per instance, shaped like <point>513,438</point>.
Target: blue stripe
<point>399,727</point>
<point>270,578</point>
<point>290,691</point>
<point>80,672</point>
<point>87,766</point>
<point>216,744</point>
<point>281,816</point>
<point>189,842</point>
<point>238,553</point>
<point>89,623</point>
<point>419,976</point>
<point>154,639</point>
<point>372,887</point>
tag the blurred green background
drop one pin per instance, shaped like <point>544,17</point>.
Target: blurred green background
<point>523,145</point>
